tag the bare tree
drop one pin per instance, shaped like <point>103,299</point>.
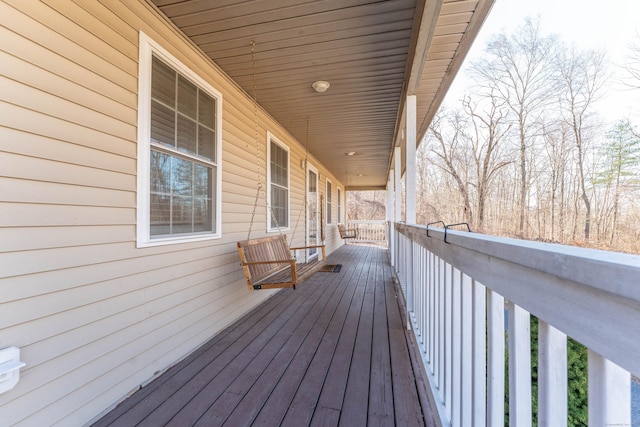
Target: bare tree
<point>583,74</point>
<point>632,64</point>
<point>556,146</point>
<point>447,133</point>
<point>488,129</point>
<point>366,205</point>
<point>518,67</point>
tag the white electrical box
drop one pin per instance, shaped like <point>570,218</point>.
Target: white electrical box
<point>10,365</point>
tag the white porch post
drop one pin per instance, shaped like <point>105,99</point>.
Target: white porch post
<point>397,153</point>
<point>410,194</point>
<point>410,152</point>
<point>391,217</point>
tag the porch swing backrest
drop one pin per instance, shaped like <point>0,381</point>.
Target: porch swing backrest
<point>264,257</point>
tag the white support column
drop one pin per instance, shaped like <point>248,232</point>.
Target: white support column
<point>410,155</point>
<point>552,376</point>
<point>609,392</point>
<point>397,153</point>
<point>391,217</point>
<point>410,194</point>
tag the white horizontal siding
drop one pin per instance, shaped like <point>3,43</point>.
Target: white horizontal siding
<point>96,317</point>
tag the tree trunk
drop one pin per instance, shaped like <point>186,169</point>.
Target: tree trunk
<point>523,179</point>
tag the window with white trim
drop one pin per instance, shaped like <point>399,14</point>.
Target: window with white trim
<point>179,150</point>
<point>278,184</point>
<point>329,205</point>
<point>339,205</point>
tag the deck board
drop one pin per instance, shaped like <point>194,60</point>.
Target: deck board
<point>333,352</point>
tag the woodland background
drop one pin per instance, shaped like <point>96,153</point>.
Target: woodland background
<point>525,152</point>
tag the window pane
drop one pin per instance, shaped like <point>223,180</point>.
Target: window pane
<point>160,210</point>
<point>313,182</point>
<point>202,217</point>
<point>187,94</point>
<point>279,165</point>
<point>163,83</point>
<point>186,135</point>
<point>162,125</point>
<point>160,172</point>
<point>279,206</point>
<point>182,177</point>
<point>182,194</point>
<point>181,215</point>
<point>206,110</point>
<point>206,143</point>
<point>279,168</point>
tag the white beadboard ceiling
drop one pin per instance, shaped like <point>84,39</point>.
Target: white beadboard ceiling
<point>373,53</point>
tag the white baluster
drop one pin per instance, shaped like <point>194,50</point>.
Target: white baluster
<point>552,376</point>
<point>495,366</point>
<point>609,392</point>
<point>519,333</point>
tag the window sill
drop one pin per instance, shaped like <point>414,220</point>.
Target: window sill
<point>176,240</point>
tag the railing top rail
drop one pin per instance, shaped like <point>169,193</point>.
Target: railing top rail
<point>366,221</point>
<point>613,272</point>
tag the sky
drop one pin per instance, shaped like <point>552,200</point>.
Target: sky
<point>611,25</point>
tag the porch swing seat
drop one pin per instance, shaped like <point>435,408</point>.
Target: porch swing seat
<point>267,263</point>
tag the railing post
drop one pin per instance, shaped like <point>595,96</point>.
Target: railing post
<point>609,392</point>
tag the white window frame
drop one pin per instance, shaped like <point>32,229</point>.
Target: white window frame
<point>339,194</point>
<point>147,48</point>
<point>271,139</point>
<point>329,202</point>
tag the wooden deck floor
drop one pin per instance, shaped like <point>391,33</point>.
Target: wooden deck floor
<point>333,352</point>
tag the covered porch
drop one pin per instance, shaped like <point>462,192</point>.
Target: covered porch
<point>333,352</point>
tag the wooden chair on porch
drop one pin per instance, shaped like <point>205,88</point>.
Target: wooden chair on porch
<point>347,233</point>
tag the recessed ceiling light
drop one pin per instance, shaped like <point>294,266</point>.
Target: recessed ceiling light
<point>321,86</point>
<point>360,175</point>
<point>350,153</point>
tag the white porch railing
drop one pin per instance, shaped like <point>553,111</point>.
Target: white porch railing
<point>374,231</point>
<point>457,292</point>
